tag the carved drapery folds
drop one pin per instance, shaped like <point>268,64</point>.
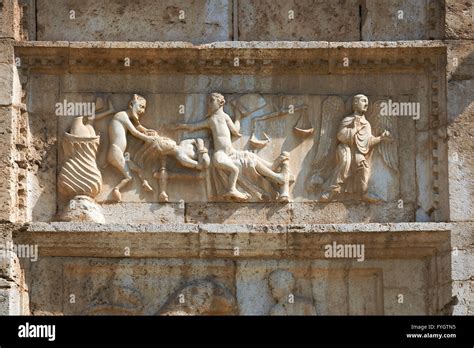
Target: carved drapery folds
<point>342,167</point>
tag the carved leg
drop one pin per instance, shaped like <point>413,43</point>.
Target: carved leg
<point>262,169</point>
<point>162,177</point>
<point>117,160</point>
<point>138,171</point>
<point>184,159</point>
<point>225,164</point>
<point>362,178</point>
<point>336,183</point>
<point>284,196</point>
<point>203,155</point>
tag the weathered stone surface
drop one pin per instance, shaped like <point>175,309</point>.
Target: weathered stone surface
<point>146,20</point>
<point>298,20</point>
<point>7,191</point>
<point>461,129</point>
<point>166,287</point>
<point>401,20</point>
<point>13,292</point>
<point>459,20</point>
<point>10,17</point>
<point>163,109</point>
<point>220,240</point>
<point>8,74</point>
<point>463,290</point>
<point>133,287</point>
<point>312,215</point>
<point>10,98</point>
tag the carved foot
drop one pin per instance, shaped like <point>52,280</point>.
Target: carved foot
<point>203,162</point>
<point>284,199</point>
<point>203,155</point>
<point>146,186</point>
<point>236,195</point>
<point>163,197</point>
<point>326,197</point>
<point>116,195</point>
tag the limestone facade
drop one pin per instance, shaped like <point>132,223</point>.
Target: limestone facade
<point>236,157</point>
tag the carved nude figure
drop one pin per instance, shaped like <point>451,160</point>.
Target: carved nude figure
<point>122,123</point>
<point>230,161</point>
<point>128,122</point>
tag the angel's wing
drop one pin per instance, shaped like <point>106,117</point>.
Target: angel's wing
<point>387,149</point>
<point>332,111</point>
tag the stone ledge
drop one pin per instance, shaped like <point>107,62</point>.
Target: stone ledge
<point>236,228</point>
<point>233,44</point>
<point>385,241</point>
<point>265,57</point>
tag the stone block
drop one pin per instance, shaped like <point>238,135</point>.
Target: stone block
<point>459,19</point>
<point>194,21</point>
<point>396,20</point>
<point>298,20</point>
<point>460,108</point>
<point>10,19</point>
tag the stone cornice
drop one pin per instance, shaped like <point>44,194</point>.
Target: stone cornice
<point>230,57</point>
<point>386,241</point>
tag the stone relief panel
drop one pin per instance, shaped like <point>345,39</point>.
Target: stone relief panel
<point>282,286</point>
<point>351,143</point>
<point>223,287</point>
<point>237,148</point>
<point>284,115</point>
<point>200,297</point>
<point>157,287</point>
<point>296,288</point>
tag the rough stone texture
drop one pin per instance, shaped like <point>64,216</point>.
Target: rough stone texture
<point>401,20</point>
<point>461,129</point>
<point>298,20</point>
<point>10,98</point>
<point>220,240</point>
<point>459,19</point>
<point>144,20</point>
<point>164,102</point>
<point>460,86</point>
<point>13,291</point>
<point>10,19</point>
<point>298,213</point>
<point>208,21</point>
<point>202,256</point>
<point>151,286</point>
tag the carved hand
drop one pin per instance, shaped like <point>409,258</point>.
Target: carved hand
<point>151,132</point>
<point>386,136</point>
<point>357,123</point>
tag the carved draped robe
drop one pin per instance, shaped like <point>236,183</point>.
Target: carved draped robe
<point>354,149</point>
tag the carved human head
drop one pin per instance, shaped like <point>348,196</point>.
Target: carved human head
<point>282,284</point>
<point>360,103</point>
<point>137,105</point>
<point>216,101</point>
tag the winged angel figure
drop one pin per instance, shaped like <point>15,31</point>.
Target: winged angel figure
<point>342,162</point>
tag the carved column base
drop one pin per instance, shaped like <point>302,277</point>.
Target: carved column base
<point>82,209</point>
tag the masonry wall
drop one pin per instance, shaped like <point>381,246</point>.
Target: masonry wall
<point>205,21</point>
<point>459,35</point>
